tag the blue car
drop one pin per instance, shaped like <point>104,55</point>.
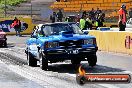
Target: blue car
<point>55,42</point>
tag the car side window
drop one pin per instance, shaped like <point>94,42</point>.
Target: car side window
<point>55,29</point>
<point>47,30</point>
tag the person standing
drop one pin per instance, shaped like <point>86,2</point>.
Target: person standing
<point>89,22</point>
<point>92,14</point>
<point>59,16</point>
<point>78,18</point>
<point>17,26</point>
<point>53,17</point>
<point>102,19</point>
<point>83,22</point>
<point>97,13</point>
<point>97,22</point>
<point>130,13</point>
<point>122,18</point>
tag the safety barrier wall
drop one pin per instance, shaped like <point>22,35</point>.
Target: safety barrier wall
<point>5,25</point>
<point>111,41</point>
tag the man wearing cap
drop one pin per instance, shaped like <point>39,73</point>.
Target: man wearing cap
<point>122,18</point>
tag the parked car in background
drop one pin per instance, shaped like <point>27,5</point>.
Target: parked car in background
<point>55,42</point>
<point>3,39</point>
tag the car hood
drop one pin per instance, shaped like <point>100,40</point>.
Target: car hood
<point>3,33</point>
<point>64,38</point>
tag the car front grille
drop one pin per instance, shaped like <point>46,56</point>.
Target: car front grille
<point>71,44</point>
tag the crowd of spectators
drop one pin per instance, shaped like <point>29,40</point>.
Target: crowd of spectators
<point>56,16</point>
<point>93,17</point>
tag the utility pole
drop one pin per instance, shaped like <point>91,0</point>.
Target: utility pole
<point>31,10</point>
<point>5,8</point>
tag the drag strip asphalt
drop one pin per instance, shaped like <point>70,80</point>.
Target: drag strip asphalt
<point>62,74</point>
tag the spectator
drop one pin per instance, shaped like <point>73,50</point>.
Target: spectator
<point>97,24</point>
<point>83,21</point>
<point>92,14</point>
<point>59,16</point>
<point>78,18</point>
<point>130,13</point>
<point>53,17</point>
<point>17,26</point>
<point>97,13</point>
<point>102,17</point>
<point>84,13</point>
<point>89,22</point>
<point>86,22</point>
<point>122,18</point>
<point>66,19</point>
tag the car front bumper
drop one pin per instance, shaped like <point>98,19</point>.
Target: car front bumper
<point>68,54</point>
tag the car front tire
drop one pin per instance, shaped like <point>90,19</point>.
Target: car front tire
<point>43,62</point>
<point>31,60</point>
<point>92,60</point>
<point>5,44</point>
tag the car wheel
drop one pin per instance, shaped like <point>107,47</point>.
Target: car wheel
<point>43,62</point>
<point>31,60</point>
<point>75,62</point>
<point>92,60</point>
<point>5,44</point>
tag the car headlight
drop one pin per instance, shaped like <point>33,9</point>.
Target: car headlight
<point>89,41</point>
<point>51,44</point>
<point>2,36</point>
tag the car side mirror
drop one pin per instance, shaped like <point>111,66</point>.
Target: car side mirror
<point>85,32</point>
<point>33,36</point>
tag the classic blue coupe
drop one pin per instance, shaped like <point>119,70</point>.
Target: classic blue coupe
<point>55,42</point>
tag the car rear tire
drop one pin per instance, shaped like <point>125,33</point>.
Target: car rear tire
<point>43,62</point>
<point>31,60</point>
<point>92,60</point>
<point>75,62</point>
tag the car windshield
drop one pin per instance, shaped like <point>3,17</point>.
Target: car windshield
<point>56,29</point>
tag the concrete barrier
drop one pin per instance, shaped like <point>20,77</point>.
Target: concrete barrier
<point>111,41</point>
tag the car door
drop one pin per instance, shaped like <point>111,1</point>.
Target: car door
<point>40,36</point>
<point>32,42</point>
<point>44,31</point>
